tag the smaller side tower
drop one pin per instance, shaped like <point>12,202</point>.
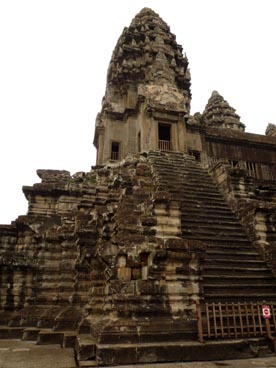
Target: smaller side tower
<point>219,114</point>
<point>270,130</point>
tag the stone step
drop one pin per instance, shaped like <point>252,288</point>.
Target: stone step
<point>68,319</point>
<point>164,170</point>
<point>224,242</point>
<point>197,201</point>
<point>212,219</point>
<point>183,188</point>
<point>236,270</point>
<point>186,213</point>
<point>244,244</point>
<point>237,254</point>
<point>231,248</point>
<point>215,221</point>
<point>85,347</point>
<point>173,161</point>
<point>30,334</point>
<point>185,182</point>
<point>207,211</point>
<point>271,236</point>
<point>186,188</point>
<point>183,178</point>
<point>181,351</point>
<point>87,363</point>
<point>236,262</point>
<point>232,258</point>
<point>183,162</point>
<point>200,202</point>
<point>59,296</point>
<point>69,339</point>
<point>185,192</point>
<point>251,296</point>
<point>234,249</point>
<point>201,219</point>
<point>243,287</point>
<point>213,237</point>
<point>7,332</point>
<point>48,337</point>
<point>216,231</point>
<point>254,278</point>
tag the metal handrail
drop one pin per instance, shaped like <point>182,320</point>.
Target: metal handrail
<point>235,320</point>
<point>164,145</point>
<point>114,155</point>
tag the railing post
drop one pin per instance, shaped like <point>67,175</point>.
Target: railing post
<point>269,335</point>
<point>164,145</point>
<point>199,322</point>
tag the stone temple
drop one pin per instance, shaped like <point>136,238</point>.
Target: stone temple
<point>166,249</point>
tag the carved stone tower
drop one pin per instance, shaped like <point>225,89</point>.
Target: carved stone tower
<point>170,239</point>
<point>219,114</point>
<point>147,96</point>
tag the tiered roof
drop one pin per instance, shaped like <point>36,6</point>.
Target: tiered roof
<point>219,114</point>
<point>147,52</point>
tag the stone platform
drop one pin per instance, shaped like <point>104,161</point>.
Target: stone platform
<point>22,354</point>
<point>241,363</point>
<point>26,354</point>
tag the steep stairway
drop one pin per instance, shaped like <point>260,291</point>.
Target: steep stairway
<point>233,269</point>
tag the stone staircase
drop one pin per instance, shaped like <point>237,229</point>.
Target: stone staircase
<point>83,344</point>
<point>186,204</point>
<point>233,269</point>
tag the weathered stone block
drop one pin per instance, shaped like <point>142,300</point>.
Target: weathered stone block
<point>69,340</point>
<point>121,261</point>
<point>136,273</point>
<point>85,347</point>
<point>124,273</point>
<point>11,332</point>
<point>46,337</point>
<point>30,334</point>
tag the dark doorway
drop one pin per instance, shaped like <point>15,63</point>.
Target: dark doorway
<point>115,150</point>
<point>139,142</point>
<point>164,137</point>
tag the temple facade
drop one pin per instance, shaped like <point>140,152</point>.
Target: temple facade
<point>166,249</point>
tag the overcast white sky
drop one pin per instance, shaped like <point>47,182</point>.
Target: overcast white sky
<point>54,56</point>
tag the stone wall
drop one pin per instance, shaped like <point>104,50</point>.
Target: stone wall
<point>108,242</point>
<point>16,271</point>
<point>254,202</point>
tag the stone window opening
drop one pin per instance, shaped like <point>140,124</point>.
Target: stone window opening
<point>195,154</point>
<point>140,271</point>
<point>139,142</point>
<point>144,265</point>
<point>252,169</point>
<point>115,148</point>
<point>234,163</point>
<point>164,137</point>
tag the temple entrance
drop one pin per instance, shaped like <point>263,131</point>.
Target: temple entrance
<point>164,137</point>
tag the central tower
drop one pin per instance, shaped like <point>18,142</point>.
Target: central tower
<point>147,96</point>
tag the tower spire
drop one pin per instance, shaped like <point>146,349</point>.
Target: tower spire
<point>219,114</point>
<point>147,71</point>
<point>141,46</point>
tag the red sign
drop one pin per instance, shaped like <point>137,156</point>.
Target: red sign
<point>266,311</point>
